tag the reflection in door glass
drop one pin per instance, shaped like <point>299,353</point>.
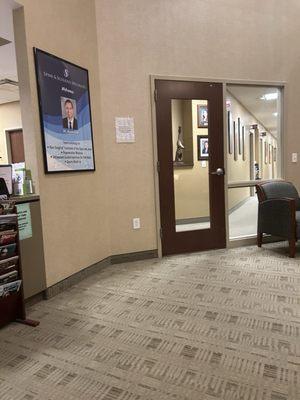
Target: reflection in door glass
<point>190,126</point>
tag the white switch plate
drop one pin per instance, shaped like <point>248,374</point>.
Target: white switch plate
<point>136,223</point>
<point>294,157</point>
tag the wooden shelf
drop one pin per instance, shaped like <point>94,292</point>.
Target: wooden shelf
<point>12,305</point>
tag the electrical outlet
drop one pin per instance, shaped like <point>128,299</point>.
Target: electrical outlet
<point>294,157</point>
<point>136,223</point>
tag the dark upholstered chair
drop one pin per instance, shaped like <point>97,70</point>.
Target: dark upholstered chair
<point>278,212</point>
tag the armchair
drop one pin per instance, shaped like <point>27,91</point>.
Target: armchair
<point>278,212</point>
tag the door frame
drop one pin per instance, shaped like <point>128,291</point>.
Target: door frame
<point>282,85</point>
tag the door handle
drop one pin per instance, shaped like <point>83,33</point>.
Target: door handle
<point>218,171</point>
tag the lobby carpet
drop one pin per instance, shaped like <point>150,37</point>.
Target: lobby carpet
<point>208,326</point>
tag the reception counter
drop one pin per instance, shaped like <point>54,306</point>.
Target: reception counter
<point>32,250</point>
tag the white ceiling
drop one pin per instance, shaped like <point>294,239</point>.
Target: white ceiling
<point>8,64</point>
<point>263,110</point>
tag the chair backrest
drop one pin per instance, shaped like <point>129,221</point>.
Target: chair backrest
<point>277,190</point>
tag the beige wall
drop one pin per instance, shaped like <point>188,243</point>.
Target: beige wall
<point>10,118</point>
<point>209,39</point>
<point>136,38</point>
<point>73,205</point>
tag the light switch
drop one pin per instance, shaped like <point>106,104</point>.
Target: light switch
<point>294,157</point>
<point>136,223</point>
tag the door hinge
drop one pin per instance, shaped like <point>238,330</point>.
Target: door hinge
<point>158,166</point>
<point>160,233</point>
<point>155,95</point>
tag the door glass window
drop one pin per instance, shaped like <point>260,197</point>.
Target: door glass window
<point>190,134</point>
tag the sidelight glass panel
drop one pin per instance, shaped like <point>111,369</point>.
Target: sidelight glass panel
<point>253,132</point>
<point>190,134</point>
<point>242,212</point>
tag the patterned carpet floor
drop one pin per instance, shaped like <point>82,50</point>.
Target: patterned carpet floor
<point>218,325</point>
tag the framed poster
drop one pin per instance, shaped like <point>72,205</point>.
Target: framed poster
<point>202,116</point>
<point>203,147</point>
<point>65,114</point>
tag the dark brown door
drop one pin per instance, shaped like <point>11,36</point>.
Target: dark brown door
<point>16,146</point>
<point>189,117</point>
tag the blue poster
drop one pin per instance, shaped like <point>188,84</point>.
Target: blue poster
<point>65,114</point>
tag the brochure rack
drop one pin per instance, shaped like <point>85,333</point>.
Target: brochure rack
<point>12,304</point>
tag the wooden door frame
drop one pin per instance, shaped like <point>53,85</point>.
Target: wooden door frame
<point>7,139</point>
<point>224,82</point>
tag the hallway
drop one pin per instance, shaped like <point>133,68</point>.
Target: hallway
<point>215,325</point>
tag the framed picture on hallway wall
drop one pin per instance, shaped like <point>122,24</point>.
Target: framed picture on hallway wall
<point>202,147</point>
<point>65,114</point>
<point>229,131</point>
<point>239,136</point>
<point>266,152</point>
<point>243,143</point>
<point>202,116</point>
<point>235,149</point>
<point>274,154</point>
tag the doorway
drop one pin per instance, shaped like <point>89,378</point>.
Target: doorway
<point>15,146</point>
<point>189,122</point>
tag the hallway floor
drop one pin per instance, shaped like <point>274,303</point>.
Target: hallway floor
<point>218,325</point>
<point>242,221</point>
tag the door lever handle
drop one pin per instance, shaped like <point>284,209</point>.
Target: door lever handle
<point>218,171</point>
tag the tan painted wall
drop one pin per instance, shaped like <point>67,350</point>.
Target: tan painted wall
<point>10,118</point>
<point>217,39</point>
<point>73,205</point>
<point>136,38</point>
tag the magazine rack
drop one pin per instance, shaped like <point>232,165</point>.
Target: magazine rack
<point>12,304</point>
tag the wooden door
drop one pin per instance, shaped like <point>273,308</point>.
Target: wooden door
<point>16,146</point>
<point>191,189</point>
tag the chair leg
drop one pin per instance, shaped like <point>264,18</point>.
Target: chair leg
<point>292,244</point>
<point>259,239</point>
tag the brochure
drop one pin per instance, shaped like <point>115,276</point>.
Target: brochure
<point>7,251</point>
<point>9,288</point>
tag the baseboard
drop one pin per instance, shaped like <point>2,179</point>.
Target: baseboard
<point>31,301</point>
<point>72,280</point>
<point>137,256</point>
<point>238,205</point>
<point>196,220</point>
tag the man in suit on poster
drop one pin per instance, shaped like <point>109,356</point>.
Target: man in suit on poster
<point>69,122</point>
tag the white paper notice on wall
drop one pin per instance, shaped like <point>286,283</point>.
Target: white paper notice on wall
<point>124,130</point>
